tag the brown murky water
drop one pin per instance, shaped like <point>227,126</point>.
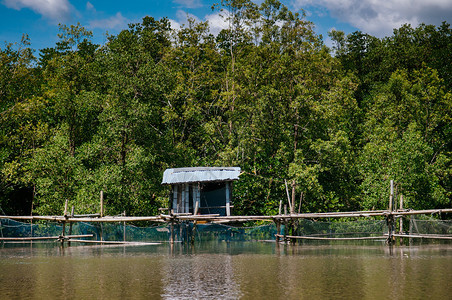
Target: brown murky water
<point>225,271</point>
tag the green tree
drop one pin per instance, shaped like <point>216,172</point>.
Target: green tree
<point>19,81</point>
<point>399,142</point>
<point>130,147</point>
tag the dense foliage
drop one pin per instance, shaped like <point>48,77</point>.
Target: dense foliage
<point>265,94</point>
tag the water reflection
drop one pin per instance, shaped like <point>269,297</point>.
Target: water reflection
<point>226,271</point>
<point>200,277</point>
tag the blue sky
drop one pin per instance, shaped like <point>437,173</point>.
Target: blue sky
<point>39,18</point>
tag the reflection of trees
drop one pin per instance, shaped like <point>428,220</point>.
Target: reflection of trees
<point>306,272</point>
<point>201,277</point>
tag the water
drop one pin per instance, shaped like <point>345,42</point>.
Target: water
<point>225,271</point>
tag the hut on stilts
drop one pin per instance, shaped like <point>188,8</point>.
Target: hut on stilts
<point>201,190</point>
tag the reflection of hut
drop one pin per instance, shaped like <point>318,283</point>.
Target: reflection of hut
<point>201,190</point>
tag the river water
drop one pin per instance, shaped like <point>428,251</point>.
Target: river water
<point>225,271</point>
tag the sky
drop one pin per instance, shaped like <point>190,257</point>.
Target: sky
<point>40,18</point>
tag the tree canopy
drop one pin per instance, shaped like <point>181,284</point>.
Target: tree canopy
<point>264,94</point>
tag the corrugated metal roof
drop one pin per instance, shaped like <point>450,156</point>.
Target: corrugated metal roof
<point>200,174</point>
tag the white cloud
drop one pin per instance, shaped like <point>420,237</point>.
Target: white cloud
<point>216,23</point>
<point>189,3</point>
<point>117,21</point>
<point>175,24</point>
<point>90,7</point>
<point>182,17</point>
<point>54,10</point>
<point>380,17</point>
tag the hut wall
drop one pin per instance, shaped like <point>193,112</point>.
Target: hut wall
<point>209,198</point>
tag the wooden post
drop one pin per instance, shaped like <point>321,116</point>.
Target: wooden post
<point>292,207</point>
<point>65,208</point>
<point>124,231</point>
<point>187,198</point>
<point>390,223</point>
<point>401,218</point>
<point>101,204</point>
<point>64,222</point>
<point>70,225</point>
<point>280,205</point>
<point>410,232</point>
<point>196,198</point>
<point>31,213</point>
<point>390,218</point>
<point>62,233</point>
<point>175,197</point>
<point>101,214</point>
<point>391,195</point>
<point>288,197</point>
<point>278,231</point>
<point>181,228</point>
<point>228,200</point>
<point>195,212</point>
<point>172,232</point>
<point>301,199</point>
<point>193,232</point>
<point>294,230</point>
<point>285,209</point>
<point>285,230</point>
<point>101,232</point>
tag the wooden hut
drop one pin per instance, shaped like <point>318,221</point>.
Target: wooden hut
<point>201,190</point>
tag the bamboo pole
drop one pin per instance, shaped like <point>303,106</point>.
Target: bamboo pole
<point>425,236</point>
<point>31,211</point>
<point>181,232</point>
<point>101,204</point>
<point>124,231</point>
<point>336,239</point>
<point>65,207</point>
<point>195,212</point>
<point>401,218</point>
<point>288,197</point>
<point>228,200</point>
<point>216,217</point>
<point>101,215</point>
<point>65,218</point>
<point>36,238</point>
<point>390,218</point>
<point>410,229</point>
<point>97,215</point>
<point>87,219</point>
<point>301,199</point>
<point>390,222</point>
<point>172,232</point>
<point>70,224</point>
<point>285,231</point>
<point>193,233</point>
<point>116,242</point>
<point>391,194</point>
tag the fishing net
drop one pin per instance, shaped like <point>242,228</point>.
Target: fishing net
<point>106,231</point>
<point>427,225</point>
<point>357,228</point>
<point>12,228</point>
<point>188,231</point>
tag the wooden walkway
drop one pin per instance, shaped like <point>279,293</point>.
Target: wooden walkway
<point>284,219</point>
<point>166,218</point>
